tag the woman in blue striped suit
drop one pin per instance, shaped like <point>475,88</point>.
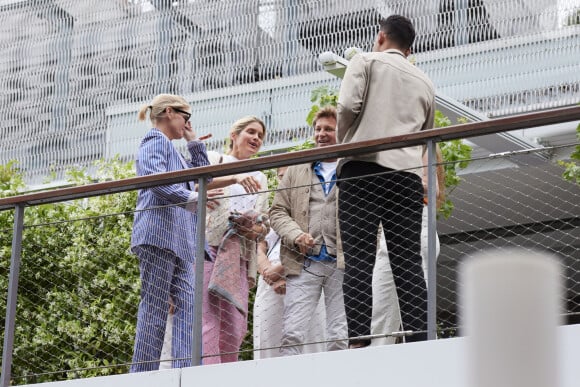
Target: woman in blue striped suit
<point>164,235</point>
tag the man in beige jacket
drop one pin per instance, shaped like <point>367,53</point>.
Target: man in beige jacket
<point>382,95</point>
<point>304,216</point>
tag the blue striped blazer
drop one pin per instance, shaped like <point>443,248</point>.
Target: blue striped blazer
<point>158,220</point>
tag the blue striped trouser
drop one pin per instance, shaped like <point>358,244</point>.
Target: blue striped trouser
<point>163,274</point>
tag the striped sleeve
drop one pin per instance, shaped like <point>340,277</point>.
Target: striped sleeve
<point>153,158</point>
<point>198,153</point>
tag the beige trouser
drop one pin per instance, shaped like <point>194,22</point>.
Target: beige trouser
<point>268,323</point>
<point>303,293</point>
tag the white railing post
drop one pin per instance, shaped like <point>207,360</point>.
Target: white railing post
<point>431,245</point>
<point>199,263</point>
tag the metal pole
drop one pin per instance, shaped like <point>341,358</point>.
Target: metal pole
<point>461,22</point>
<point>431,235</point>
<point>199,262</point>
<point>12,296</point>
<point>290,37</point>
<point>164,26</point>
<point>63,44</point>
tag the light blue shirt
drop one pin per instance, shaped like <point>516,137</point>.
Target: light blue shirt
<point>327,187</point>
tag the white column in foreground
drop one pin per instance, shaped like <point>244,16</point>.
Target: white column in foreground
<point>511,311</point>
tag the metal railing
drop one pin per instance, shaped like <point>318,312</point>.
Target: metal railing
<point>428,138</point>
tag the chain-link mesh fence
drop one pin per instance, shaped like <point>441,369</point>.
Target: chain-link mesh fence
<point>72,69</point>
<point>79,290</point>
<point>510,202</point>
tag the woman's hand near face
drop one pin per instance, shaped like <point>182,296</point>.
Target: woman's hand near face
<point>188,132</point>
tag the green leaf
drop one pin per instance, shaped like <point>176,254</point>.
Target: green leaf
<point>78,284</point>
<point>571,168</point>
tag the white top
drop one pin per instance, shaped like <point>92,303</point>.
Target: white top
<point>240,200</point>
<point>327,169</point>
<point>273,241</point>
<point>235,198</point>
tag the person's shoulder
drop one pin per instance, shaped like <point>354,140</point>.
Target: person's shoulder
<point>372,55</point>
<point>362,58</point>
<point>157,132</point>
<point>151,133</point>
<point>382,56</point>
<point>424,77</point>
<point>358,62</point>
<point>293,173</point>
<point>214,157</point>
<point>299,169</point>
<point>154,136</point>
<point>389,58</point>
<point>403,64</point>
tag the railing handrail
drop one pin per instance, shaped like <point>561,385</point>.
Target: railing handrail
<point>522,121</point>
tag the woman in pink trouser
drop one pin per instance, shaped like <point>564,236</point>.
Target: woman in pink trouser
<point>224,325</point>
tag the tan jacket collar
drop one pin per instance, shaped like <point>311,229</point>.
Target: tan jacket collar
<point>394,51</point>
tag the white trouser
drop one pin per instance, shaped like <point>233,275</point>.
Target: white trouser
<point>268,312</point>
<point>302,295</point>
<point>386,314</point>
<point>166,350</point>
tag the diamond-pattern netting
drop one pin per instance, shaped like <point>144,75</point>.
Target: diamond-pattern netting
<point>79,309</point>
<point>74,72</point>
<point>523,205</point>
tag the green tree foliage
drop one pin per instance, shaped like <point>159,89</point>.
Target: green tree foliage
<point>320,97</point>
<point>571,168</point>
<point>456,153</point>
<point>78,285</point>
<point>11,180</point>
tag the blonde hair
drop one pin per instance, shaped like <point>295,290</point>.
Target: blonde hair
<point>241,124</point>
<point>159,104</point>
<point>325,112</point>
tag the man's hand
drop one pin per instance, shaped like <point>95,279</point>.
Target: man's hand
<point>304,242</point>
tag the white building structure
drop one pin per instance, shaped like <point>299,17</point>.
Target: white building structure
<point>75,72</point>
